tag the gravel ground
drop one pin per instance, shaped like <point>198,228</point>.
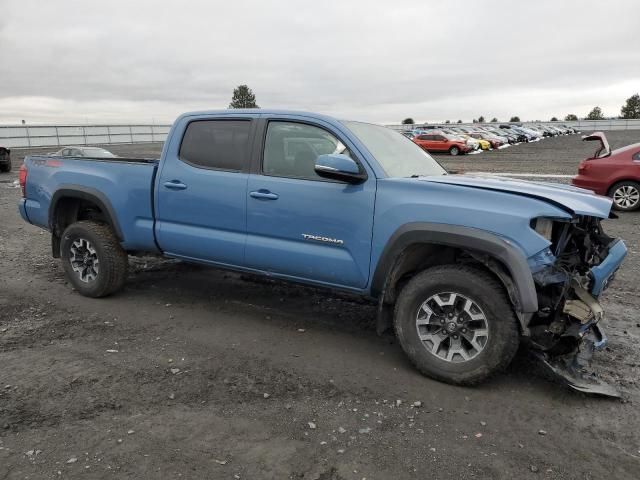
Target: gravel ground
<point>192,372</point>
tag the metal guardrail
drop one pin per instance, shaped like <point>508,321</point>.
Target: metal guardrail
<point>16,136</point>
<point>582,125</point>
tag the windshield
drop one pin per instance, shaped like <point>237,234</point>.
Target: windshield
<point>396,154</point>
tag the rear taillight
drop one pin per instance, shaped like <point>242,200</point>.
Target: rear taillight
<point>23,179</point>
<point>583,167</point>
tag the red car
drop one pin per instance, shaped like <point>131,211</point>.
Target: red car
<point>439,142</point>
<point>616,174</point>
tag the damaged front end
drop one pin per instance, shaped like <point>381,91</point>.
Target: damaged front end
<point>569,275</point>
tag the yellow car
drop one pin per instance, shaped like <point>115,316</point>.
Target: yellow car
<point>484,144</point>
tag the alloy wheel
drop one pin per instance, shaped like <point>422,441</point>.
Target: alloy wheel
<point>452,327</point>
<point>84,260</point>
<point>626,196</point>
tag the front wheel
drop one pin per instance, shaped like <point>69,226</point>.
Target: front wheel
<point>454,151</point>
<point>626,196</point>
<point>93,259</point>
<point>456,324</point>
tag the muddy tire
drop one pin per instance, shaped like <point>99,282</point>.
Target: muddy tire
<point>626,196</point>
<point>95,263</point>
<point>456,324</point>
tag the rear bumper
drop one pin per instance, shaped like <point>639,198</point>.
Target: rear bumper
<point>590,184</point>
<point>23,209</point>
<point>602,274</point>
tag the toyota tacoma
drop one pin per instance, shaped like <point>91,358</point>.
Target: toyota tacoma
<point>464,268</point>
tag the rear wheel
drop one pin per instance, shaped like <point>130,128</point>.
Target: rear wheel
<point>454,151</point>
<point>626,196</point>
<point>456,324</point>
<point>93,259</point>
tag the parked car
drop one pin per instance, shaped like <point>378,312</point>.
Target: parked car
<point>612,173</point>
<point>409,135</point>
<point>521,135</point>
<point>571,130</point>
<point>462,266</point>
<point>546,131</point>
<point>510,137</point>
<point>92,152</point>
<point>442,142</point>
<point>5,159</point>
<point>491,140</point>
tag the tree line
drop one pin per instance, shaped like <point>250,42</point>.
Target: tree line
<point>243,97</point>
<point>630,110</point>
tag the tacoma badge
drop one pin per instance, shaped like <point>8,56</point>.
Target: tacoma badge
<point>319,238</point>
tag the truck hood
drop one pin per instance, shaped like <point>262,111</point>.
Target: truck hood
<point>572,199</point>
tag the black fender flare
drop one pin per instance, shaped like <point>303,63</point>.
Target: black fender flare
<point>88,194</point>
<point>467,238</point>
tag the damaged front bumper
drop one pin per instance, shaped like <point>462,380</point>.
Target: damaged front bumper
<point>601,275</point>
<point>567,329</point>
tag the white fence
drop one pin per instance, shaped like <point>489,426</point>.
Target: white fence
<point>13,136</point>
<point>585,126</point>
<point>60,135</point>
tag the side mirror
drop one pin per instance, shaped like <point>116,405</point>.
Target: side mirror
<point>337,166</point>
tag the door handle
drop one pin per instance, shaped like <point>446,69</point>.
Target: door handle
<point>175,185</point>
<point>264,195</point>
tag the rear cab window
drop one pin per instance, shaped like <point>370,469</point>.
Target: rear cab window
<point>216,144</point>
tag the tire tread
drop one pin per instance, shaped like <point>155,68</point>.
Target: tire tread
<point>114,261</point>
<point>511,340</point>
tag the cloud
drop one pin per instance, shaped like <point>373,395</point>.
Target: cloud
<point>373,60</point>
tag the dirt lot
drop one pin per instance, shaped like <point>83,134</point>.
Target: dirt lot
<point>196,373</point>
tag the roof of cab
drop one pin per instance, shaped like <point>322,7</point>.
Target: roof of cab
<point>259,111</point>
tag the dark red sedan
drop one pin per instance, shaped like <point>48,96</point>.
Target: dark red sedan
<point>613,173</point>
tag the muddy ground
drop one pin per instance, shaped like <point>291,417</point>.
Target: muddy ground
<point>192,372</point>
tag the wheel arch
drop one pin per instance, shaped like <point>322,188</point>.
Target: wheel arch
<point>417,246</point>
<point>67,205</point>
<point>620,180</point>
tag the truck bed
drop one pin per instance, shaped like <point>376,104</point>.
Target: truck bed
<point>123,185</point>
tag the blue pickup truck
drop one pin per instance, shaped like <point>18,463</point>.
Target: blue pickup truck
<point>462,267</point>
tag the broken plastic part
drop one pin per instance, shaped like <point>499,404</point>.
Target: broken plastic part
<point>578,309</point>
<point>577,379</point>
<point>588,300</point>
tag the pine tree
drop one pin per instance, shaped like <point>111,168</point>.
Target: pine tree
<point>595,114</point>
<point>243,97</point>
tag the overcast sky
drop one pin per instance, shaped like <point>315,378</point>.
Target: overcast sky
<point>382,61</point>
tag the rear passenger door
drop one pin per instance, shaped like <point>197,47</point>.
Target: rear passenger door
<point>201,191</point>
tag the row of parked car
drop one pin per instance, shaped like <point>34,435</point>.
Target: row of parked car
<point>458,140</point>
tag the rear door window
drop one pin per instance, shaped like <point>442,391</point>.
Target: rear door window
<point>216,144</point>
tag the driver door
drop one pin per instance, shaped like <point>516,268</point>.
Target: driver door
<point>300,225</point>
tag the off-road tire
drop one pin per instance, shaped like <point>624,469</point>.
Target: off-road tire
<point>112,258</point>
<point>488,293</point>
<point>625,183</point>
